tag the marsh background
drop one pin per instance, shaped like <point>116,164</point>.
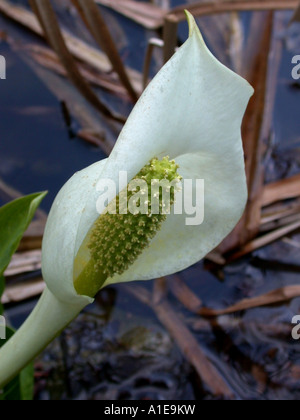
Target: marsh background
<point>152,340</point>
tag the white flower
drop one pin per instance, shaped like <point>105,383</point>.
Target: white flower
<point>192,112</point>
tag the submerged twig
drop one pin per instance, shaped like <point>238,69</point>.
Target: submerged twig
<point>190,301</point>
<point>276,296</point>
<point>23,291</point>
<point>80,109</point>
<point>279,211</point>
<point>24,262</point>
<point>47,58</point>
<point>280,222</point>
<point>185,341</point>
<point>264,240</point>
<point>281,190</point>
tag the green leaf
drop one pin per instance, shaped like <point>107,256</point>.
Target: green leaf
<point>15,218</point>
<point>2,285</point>
<point>20,388</point>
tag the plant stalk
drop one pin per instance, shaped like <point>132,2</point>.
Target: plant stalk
<point>47,320</point>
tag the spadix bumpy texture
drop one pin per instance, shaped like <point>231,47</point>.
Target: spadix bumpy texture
<point>118,239</point>
<point>120,235</point>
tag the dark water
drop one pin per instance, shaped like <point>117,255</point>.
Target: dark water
<point>118,349</point>
<point>36,153</point>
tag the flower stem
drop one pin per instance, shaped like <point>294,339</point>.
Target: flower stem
<point>46,321</point>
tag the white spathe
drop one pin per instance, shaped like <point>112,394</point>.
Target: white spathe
<point>192,111</point>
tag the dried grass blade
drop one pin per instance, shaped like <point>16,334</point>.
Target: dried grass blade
<point>24,262</point>
<point>100,31</point>
<point>280,211</point>
<point>170,36</point>
<point>184,294</point>
<point>47,58</point>
<point>249,226</point>
<point>281,190</point>
<point>277,296</point>
<point>209,8</point>
<point>79,49</point>
<point>48,20</point>
<point>296,16</point>
<point>264,240</point>
<point>147,15</point>
<point>23,291</point>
